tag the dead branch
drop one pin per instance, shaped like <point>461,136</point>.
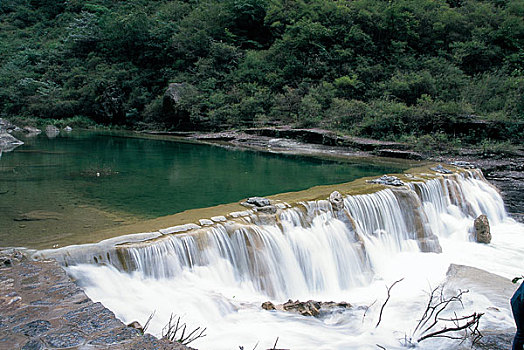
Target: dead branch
<point>367,308</point>
<point>473,320</point>
<point>148,321</point>
<point>171,331</point>
<point>431,325</point>
<point>387,299</point>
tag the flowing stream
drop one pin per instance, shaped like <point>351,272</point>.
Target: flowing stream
<point>217,276</point>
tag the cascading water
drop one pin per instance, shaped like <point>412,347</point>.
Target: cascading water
<point>217,276</point>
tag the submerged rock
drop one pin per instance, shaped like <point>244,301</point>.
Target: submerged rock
<point>388,181</point>
<point>482,230</point>
<point>268,306</point>
<point>336,200</point>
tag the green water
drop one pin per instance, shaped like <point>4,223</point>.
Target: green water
<point>50,188</point>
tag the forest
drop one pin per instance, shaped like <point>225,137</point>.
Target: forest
<point>426,71</point>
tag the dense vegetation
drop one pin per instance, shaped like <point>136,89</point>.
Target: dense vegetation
<point>385,69</point>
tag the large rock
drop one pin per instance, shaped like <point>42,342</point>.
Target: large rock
<point>482,231</point>
<point>336,200</point>
<point>8,142</point>
<point>258,201</point>
<point>6,125</point>
<point>52,131</point>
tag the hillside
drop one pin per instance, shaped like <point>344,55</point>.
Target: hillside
<point>425,71</point>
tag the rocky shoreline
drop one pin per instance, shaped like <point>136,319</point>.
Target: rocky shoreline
<point>42,308</point>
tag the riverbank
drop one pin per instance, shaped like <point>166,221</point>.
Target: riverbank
<point>42,308</point>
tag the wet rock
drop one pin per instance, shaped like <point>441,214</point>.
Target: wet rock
<point>336,200</point>
<point>307,308</point>
<point>388,181</point>
<point>258,201</point>
<point>115,336</point>
<point>8,142</point>
<point>440,169</point>
<point>396,153</point>
<point>268,306</point>
<point>31,130</point>
<point>492,340</point>
<point>205,222</point>
<point>52,131</point>
<point>68,129</point>
<point>482,230</point>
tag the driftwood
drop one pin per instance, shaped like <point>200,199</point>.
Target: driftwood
<point>387,299</point>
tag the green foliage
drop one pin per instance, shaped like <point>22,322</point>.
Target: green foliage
<point>388,69</point>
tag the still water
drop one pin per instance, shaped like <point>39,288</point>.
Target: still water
<point>57,191</point>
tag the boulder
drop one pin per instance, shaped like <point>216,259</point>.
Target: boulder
<point>336,200</point>
<point>6,125</point>
<point>387,180</point>
<point>482,231</point>
<point>8,142</point>
<point>258,202</point>
<point>68,129</point>
<point>31,130</point>
<point>268,306</point>
<point>136,325</point>
<point>52,131</point>
<point>463,164</point>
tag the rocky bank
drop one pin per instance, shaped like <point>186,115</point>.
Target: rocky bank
<point>41,308</point>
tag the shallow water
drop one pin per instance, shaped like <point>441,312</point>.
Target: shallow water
<point>61,190</point>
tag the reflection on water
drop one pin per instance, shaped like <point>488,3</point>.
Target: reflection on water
<point>87,181</point>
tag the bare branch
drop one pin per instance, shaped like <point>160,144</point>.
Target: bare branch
<point>385,302</point>
<point>473,321</point>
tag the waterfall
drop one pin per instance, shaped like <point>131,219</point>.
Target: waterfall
<point>305,250</point>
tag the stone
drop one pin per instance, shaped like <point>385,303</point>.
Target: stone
<point>440,169</point>
<point>68,129</point>
<point>52,131</point>
<point>268,209</point>
<point>268,306</point>
<point>205,222</point>
<point>336,200</point>
<point>31,130</point>
<point>33,328</point>
<point>387,180</point>
<point>308,308</point>
<point>258,201</point>
<point>6,125</point>
<point>8,142</point>
<point>136,325</point>
<point>482,231</point>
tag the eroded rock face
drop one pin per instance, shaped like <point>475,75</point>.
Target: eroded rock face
<point>482,230</point>
<point>336,200</point>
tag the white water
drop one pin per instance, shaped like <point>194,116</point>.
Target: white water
<point>218,277</point>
